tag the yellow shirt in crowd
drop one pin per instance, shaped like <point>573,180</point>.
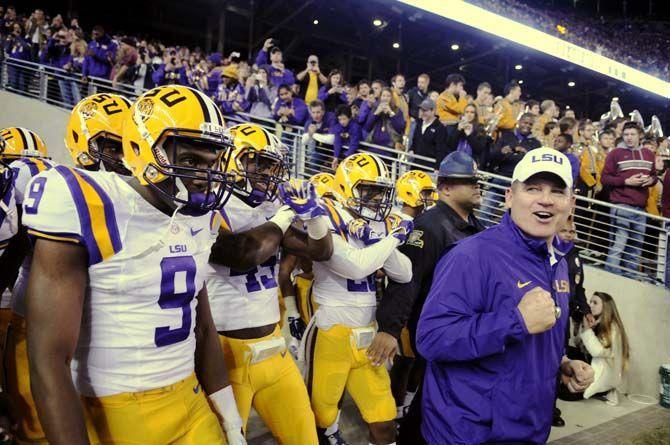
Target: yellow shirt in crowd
<point>449,109</point>
<point>508,116</point>
<point>592,163</point>
<point>312,91</point>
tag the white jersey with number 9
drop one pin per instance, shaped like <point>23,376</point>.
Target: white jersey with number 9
<point>145,270</point>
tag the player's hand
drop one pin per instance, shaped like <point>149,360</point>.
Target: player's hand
<point>360,230</point>
<point>537,310</point>
<point>577,375</point>
<point>403,230</point>
<point>236,437</point>
<point>300,196</point>
<point>384,347</point>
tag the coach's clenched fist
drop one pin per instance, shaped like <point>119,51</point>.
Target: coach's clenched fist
<point>537,309</point>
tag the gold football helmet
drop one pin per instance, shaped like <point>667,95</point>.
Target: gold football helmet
<point>415,188</point>
<point>363,185</point>
<point>18,142</point>
<point>94,131</point>
<point>323,184</point>
<point>256,163</point>
<point>157,121</point>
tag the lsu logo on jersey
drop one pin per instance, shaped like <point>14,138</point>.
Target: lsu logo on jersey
<point>561,286</point>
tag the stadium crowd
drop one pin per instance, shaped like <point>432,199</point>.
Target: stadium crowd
<point>337,115</point>
<point>641,44</point>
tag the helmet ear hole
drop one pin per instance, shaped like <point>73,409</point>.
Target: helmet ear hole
<point>135,147</point>
<point>75,136</point>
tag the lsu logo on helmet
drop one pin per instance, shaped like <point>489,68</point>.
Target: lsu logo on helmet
<point>416,188</point>
<point>323,184</point>
<point>94,131</point>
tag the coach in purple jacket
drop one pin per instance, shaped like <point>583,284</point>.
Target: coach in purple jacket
<point>100,55</point>
<point>493,325</point>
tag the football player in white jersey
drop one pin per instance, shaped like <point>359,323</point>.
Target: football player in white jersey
<point>93,136</point>
<point>344,287</point>
<point>244,297</point>
<point>121,340</point>
<point>28,156</point>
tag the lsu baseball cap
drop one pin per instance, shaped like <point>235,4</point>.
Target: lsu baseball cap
<point>543,160</point>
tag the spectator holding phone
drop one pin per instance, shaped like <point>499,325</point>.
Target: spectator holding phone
<point>385,123</point>
<point>278,73</point>
<point>469,136</point>
<point>311,78</point>
<point>332,94</point>
<point>288,109</point>
<point>260,94</point>
<point>171,71</point>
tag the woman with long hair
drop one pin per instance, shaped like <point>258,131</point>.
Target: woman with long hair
<point>332,94</point>
<point>385,123</point>
<point>606,341</point>
<point>469,136</point>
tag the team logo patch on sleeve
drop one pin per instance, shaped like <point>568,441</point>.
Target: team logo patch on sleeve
<point>415,239</point>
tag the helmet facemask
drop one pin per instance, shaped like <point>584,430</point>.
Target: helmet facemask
<point>259,174</point>
<point>427,197</point>
<point>371,200</point>
<point>99,149</point>
<point>217,184</point>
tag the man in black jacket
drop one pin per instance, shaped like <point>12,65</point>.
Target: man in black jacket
<point>417,95</point>
<point>430,136</point>
<point>449,221</point>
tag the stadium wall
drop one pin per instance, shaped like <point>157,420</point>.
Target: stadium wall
<point>645,310</point>
<point>46,120</point>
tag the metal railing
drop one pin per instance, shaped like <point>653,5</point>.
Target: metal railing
<point>644,257</point>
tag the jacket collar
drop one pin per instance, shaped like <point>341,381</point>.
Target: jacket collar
<point>456,219</point>
<point>536,245</point>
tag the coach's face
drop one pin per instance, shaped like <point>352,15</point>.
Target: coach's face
<point>540,205</point>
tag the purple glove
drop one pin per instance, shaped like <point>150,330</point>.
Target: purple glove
<point>360,230</point>
<point>403,230</point>
<point>301,197</point>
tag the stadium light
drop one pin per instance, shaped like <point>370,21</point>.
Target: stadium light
<point>508,29</point>
<point>571,84</point>
<point>455,47</point>
<point>377,22</point>
<point>518,67</point>
<point>520,82</point>
<point>567,107</point>
<point>396,45</point>
<point>316,21</point>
